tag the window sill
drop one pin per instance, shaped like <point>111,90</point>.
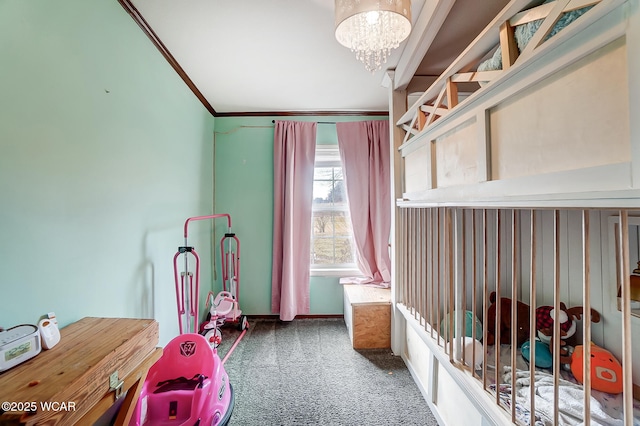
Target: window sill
<point>335,272</point>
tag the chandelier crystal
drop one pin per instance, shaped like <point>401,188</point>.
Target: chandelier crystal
<point>372,28</point>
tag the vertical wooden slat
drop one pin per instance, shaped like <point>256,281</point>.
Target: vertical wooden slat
<point>425,265</point>
<point>485,296</point>
<point>407,278</point>
<point>627,365</point>
<point>427,273</point>
<point>508,45</point>
<point>417,260</point>
<point>514,306</point>
<point>532,317</point>
<point>402,255</point>
<point>433,267</point>
<point>586,314</point>
<point>414,261</point>
<point>421,257</point>
<point>445,279</point>
<point>474,290</point>
<point>462,307</point>
<point>450,278</point>
<point>421,119</point>
<point>498,307</point>
<point>439,275</point>
<point>405,256</point>
<point>411,255</point>
<point>452,93</point>
<point>556,306</point>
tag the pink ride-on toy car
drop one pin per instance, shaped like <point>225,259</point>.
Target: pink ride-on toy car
<point>188,385</point>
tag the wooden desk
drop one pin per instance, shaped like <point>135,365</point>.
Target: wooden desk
<point>70,384</point>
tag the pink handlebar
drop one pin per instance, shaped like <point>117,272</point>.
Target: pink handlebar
<point>213,216</point>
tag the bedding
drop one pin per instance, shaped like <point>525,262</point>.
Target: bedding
<point>606,409</point>
<point>523,33</point>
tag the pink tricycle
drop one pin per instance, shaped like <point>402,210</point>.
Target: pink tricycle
<point>223,308</point>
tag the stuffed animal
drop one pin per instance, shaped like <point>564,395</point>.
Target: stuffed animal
<point>606,370</point>
<point>544,359</point>
<point>504,322</point>
<point>545,316</point>
<point>469,344</point>
<point>469,322</point>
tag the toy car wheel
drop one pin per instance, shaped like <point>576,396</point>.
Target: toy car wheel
<point>244,323</point>
<point>214,337</point>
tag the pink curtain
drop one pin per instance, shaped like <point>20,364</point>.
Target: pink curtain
<point>364,149</point>
<point>293,160</point>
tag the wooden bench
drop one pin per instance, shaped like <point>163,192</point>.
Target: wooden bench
<point>367,313</point>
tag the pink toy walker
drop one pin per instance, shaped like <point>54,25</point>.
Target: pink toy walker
<point>188,385</point>
<point>225,305</point>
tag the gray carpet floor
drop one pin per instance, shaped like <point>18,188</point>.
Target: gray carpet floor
<point>305,372</point>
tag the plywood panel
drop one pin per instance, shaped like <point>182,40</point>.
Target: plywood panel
<point>416,169</point>
<point>578,118</point>
<point>456,155</point>
<point>368,316</point>
<point>371,326</point>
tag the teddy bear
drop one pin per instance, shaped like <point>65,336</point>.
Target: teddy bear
<point>504,321</point>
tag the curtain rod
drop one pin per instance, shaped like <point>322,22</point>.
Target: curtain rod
<point>318,122</point>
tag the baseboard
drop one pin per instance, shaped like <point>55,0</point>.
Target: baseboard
<point>275,317</point>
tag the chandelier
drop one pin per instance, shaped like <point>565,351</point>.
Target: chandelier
<point>372,28</point>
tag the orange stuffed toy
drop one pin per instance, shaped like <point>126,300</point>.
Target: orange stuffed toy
<point>606,371</point>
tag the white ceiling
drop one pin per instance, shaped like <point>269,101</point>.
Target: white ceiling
<point>280,55</point>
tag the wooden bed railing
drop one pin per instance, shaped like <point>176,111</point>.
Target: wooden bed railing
<point>443,96</point>
<point>452,258</point>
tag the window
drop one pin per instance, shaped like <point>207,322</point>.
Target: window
<point>332,248</point>
<point>615,258</point>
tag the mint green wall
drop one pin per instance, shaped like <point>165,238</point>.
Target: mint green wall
<point>104,152</point>
<point>244,189</point>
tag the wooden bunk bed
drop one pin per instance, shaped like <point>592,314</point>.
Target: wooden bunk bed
<point>519,173</point>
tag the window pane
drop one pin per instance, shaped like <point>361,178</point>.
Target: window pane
<point>338,173</point>
<point>344,250</point>
<point>328,186</point>
<point>331,238</point>
<point>321,191</point>
<point>323,173</point>
<point>338,194</point>
<point>341,224</point>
